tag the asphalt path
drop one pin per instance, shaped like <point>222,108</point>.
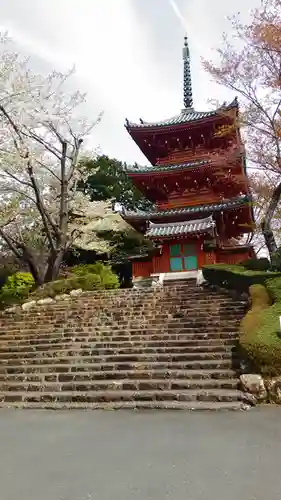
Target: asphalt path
<point>76,455</point>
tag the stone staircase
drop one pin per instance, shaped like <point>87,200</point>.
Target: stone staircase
<point>169,348</point>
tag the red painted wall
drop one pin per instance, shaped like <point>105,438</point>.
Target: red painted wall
<point>233,257</point>
<point>161,263</point>
<point>141,269</point>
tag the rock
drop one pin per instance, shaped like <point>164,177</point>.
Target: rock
<point>254,384</point>
<point>200,278</point>
<point>43,302</point>
<point>274,390</point>
<point>156,284</point>
<point>28,305</point>
<point>11,309</point>
<point>76,293</point>
<point>249,398</point>
<point>63,296</point>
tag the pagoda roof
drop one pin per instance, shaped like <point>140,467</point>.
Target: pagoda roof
<point>180,228</point>
<point>207,208</point>
<point>166,168</point>
<point>186,116</point>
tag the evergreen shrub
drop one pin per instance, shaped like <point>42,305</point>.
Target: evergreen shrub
<point>88,277</point>
<point>262,264</point>
<point>259,336</point>
<point>108,278</point>
<point>236,277</point>
<point>16,288</point>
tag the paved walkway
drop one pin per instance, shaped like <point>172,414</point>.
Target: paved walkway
<point>145,456</point>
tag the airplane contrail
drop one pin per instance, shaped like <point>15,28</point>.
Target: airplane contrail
<point>178,14</point>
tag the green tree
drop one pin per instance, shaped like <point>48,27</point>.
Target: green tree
<point>108,180</point>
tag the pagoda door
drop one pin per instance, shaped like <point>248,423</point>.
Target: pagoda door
<point>183,257</point>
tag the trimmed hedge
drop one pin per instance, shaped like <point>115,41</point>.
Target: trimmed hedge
<point>274,289</point>
<point>262,264</point>
<point>260,300</point>
<point>260,328</point>
<point>236,277</point>
<point>260,339</point>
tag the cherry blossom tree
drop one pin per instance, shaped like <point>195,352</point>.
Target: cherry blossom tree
<point>250,64</point>
<point>42,138</point>
<point>262,187</point>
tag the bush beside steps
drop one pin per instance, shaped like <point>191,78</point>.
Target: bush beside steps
<point>82,278</point>
<point>260,332</point>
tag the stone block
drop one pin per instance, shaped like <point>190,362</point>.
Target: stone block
<point>62,296</point>
<point>11,310</point>
<point>46,301</point>
<point>28,305</point>
<point>274,390</point>
<point>254,384</point>
<point>76,293</point>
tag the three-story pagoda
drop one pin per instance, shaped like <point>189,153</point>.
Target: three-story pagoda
<point>198,183</point>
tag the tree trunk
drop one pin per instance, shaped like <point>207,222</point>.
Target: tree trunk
<point>53,266</point>
<point>35,272</point>
<point>266,223</point>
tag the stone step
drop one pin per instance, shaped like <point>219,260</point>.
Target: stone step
<point>183,335</point>
<point>47,376</point>
<point>188,302</point>
<point>87,365</point>
<point>62,308</point>
<point>216,395</point>
<point>92,350</point>
<point>165,328</point>
<point>120,385</point>
<point>141,301</point>
<point>184,320</point>
<point>171,347</point>
<point>151,292</point>
<point>148,294</point>
<point>133,405</point>
<point>99,343</point>
<point>85,355</point>
<point>102,330</point>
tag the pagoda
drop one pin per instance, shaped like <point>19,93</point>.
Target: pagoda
<point>198,184</point>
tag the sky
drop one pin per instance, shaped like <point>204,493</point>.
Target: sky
<point>127,54</point>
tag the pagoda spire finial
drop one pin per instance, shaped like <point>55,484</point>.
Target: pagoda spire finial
<point>187,85</point>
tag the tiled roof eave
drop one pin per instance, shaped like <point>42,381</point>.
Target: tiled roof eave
<point>145,127</point>
<point>158,169</point>
<point>214,207</point>
<point>186,117</point>
<point>179,235</point>
<point>199,226</point>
